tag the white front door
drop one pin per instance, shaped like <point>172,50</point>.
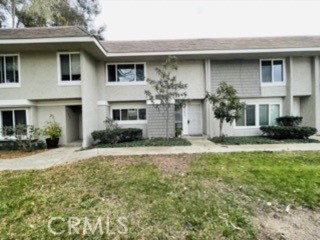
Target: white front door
<point>194,119</point>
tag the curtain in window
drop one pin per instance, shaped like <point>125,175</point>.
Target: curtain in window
<point>12,69</point>
<point>75,67</point>
<point>264,114</point>
<point>126,73</point>
<point>274,113</point>
<point>277,71</point>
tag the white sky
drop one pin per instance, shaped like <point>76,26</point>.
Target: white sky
<point>159,19</point>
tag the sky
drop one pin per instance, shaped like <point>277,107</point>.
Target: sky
<point>178,19</point>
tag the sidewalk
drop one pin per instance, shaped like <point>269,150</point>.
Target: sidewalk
<point>199,145</point>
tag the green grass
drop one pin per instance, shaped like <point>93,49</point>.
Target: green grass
<point>148,143</point>
<point>198,201</point>
<point>257,140</point>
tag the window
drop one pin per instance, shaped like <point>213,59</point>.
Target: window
<point>131,114</point>
<point>259,115</point>
<point>272,71</point>
<point>11,119</point>
<point>248,116</point>
<point>178,117</point>
<point>9,69</point>
<point>70,70</point>
<point>126,73</point>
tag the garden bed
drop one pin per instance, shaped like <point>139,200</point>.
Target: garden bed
<point>148,143</point>
<point>257,140</point>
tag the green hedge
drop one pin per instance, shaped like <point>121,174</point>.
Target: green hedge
<point>287,132</point>
<point>289,121</point>
<point>117,135</point>
<point>25,145</point>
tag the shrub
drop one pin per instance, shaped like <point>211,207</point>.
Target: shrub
<point>288,132</point>
<point>52,129</point>
<point>118,135</point>
<point>289,121</point>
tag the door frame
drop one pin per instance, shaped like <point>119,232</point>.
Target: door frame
<point>185,112</point>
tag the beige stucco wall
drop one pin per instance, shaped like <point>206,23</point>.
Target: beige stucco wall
<point>190,72</point>
<point>301,76</point>
<point>89,87</point>
<point>39,79</point>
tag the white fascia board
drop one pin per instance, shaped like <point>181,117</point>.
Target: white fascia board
<point>206,52</point>
<point>16,103</point>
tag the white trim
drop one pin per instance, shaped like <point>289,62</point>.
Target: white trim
<point>133,122</point>
<point>158,102</point>
<point>206,52</point>
<point>12,85</point>
<point>69,82</point>
<point>135,82</point>
<point>273,83</point>
<point>257,103</point>
<point>102,103</point>
<point>15,103</point>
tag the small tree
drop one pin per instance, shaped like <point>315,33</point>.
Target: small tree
<point>167,89</point>
<point>226,104</point>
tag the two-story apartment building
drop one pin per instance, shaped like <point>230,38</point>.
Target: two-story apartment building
<point>66,72</point>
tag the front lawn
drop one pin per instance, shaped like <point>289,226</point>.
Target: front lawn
<point>4,154</point>
<point>155,142</point>
<point>257,140</point>
<point>208,196</point>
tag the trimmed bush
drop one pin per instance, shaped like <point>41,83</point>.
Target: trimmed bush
<point>24,145</point>
<point>118,135</point>
<point>289,121</point>
<point>288,132</point>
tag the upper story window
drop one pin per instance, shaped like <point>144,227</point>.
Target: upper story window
<point>126,73</point>
<point>9,71</point>
<point>70,70</point>
<point>132,114</point>
<point>254,115</point>
<point>272,71</point>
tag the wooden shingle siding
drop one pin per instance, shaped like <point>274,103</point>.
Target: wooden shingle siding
<point>244,75</point>
<point>157,122</point>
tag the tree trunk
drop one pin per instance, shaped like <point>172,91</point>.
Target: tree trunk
<point>167,122</point>
<point>220,128</point>
<point>13,13</point>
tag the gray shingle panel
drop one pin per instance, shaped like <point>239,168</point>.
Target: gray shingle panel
<point>211,44</point>
<point>42,32</point>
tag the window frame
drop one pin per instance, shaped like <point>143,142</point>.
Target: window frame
<point>273,83</point>
<point>69,82</point>
<point>12,85</point>
<point>257,113</point>
<point>135,82</point>
<point>138,121</point>
<point>14,124</point>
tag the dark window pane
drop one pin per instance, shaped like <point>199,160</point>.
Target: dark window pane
<point>116,115</point>
<point>240,121</point>
<point>126,73</point>
<point>65,67</point>
<point>124,114</point>
<point>12,69</point>
<point>278,71</point>
<point>266,71</point>
<point>140,72</point>
<point>264,114</point>
<point>75,67</point>
<point>132,114</point>
<point>111,73</point>
<point>20,117</point>
<point>142,114</point>
<point>250,115</point>
<point>7,119</point>
<point>2,79</point>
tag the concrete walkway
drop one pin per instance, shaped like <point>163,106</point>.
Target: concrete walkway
<point>199,145</point>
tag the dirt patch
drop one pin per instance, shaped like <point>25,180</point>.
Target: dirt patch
<point>18,154</point>
<point>297,224</point>
<point>166,163</point>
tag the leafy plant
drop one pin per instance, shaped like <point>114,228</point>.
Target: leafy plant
<point>52,128</point>
<point>111,124</point>
<point>289,121</point>
<point>226,104</point>
<point>117,135</point>
<point>166,90</point>
<point>288,132</point>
